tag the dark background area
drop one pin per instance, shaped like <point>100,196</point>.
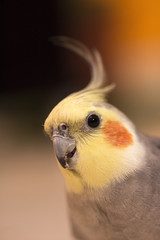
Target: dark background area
<point>29,63</point>
<point>28,24</point>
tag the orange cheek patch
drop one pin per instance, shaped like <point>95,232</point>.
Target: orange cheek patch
<point>117,134</point>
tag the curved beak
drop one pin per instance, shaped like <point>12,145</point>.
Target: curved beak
<point>65,149</point>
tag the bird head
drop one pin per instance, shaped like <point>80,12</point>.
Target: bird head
<point>94,142</point>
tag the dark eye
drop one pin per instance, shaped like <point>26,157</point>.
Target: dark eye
<point>93,121</point>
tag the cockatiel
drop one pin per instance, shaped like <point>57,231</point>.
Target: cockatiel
<point>111,169</point>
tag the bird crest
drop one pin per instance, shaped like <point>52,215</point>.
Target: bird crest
<point>98,85</point>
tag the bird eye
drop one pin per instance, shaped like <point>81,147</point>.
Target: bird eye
<point>93,121</point>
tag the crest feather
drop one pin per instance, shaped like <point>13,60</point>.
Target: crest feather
<point>98,82</point>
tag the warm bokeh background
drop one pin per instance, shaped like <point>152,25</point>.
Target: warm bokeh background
<point>37,75</point>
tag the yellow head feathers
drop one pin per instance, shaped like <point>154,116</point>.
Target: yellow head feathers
<point>94,142</point>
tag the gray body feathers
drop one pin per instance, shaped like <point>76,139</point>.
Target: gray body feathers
<point>126,210</point>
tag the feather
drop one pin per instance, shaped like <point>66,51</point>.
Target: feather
<point>98,80</point>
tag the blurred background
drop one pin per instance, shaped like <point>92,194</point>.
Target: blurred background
<point>37,75</point>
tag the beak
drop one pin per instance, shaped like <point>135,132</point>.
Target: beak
<point>65,149</point>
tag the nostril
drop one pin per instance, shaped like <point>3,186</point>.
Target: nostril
<point>63,127</point>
